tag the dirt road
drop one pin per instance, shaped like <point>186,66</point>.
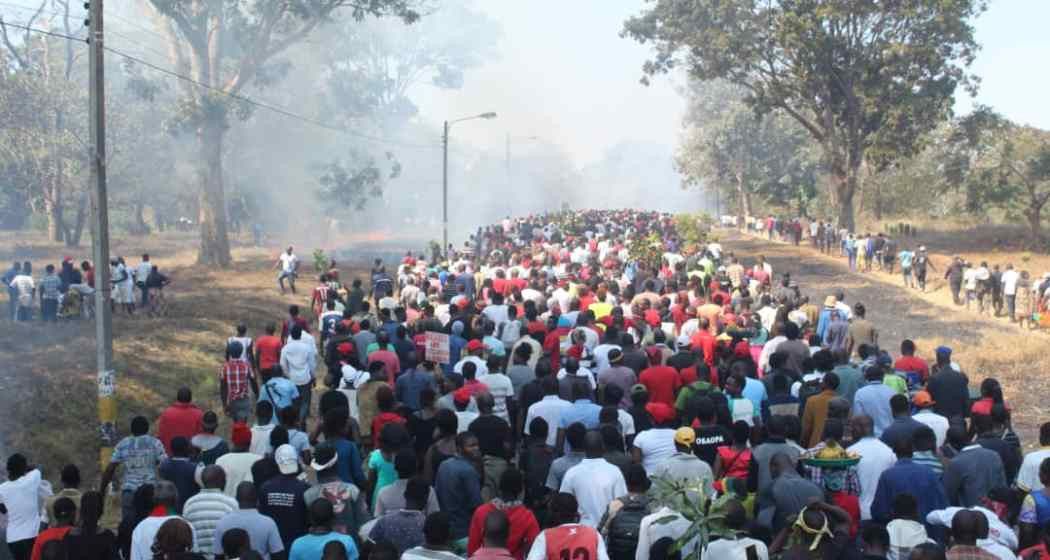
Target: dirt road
<point>985,347</point>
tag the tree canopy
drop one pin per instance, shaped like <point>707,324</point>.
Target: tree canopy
<point>856,74</point>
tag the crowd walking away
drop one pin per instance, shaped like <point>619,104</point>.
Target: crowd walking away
<point>999,290</point>
<point>580,385</point>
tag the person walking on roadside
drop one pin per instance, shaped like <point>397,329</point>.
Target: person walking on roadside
<point>954,276</point>
<point>288,264</point>
<point>1008,282</point>
<point>920,263</point>
<point>906,258</point>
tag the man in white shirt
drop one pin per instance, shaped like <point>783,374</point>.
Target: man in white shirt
<point>550,408</point>
<point>1028,476</point>
<point>298,360</point>
<point>288,265</point>
<point>22,496</point>
<point>875,457</point>
<point>141,274</point>
<point>1009,280</point>
<point>594,481</point>
<point>502,391</point>
<point>939,424</point>
<point>145,533</point>
<point>650,531</point>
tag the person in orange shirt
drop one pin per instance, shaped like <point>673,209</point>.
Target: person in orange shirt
<point>65,514</point>
<point>268,349</point>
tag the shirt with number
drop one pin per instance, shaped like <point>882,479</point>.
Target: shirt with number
<point>568,542</point>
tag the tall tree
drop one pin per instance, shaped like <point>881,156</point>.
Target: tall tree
<point>1000,164</point>
<point>854,73</point>
<point>43,105</point>
<point>230,45</point>
<point>727,147</point>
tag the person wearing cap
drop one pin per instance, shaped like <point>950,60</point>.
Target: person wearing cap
<point>652,446</point>
<point>141,454</point>
<point>824,319</point>
<point>204,510</point>
<point>474,348</point>
<point>237,464</point>
<point>949,388</point>
<point>282,497</point>
<point>925,414</point>
<point>683,465</point>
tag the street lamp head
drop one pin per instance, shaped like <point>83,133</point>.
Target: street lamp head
<point>489,115</point>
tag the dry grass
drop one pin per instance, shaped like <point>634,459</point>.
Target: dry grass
<point>984,346</point>
<point>49,387</point>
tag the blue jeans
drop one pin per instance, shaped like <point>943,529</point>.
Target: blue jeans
<point>852,261</point>
<point>49,309</point>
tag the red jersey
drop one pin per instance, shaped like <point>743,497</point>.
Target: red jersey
<point>268,349</point>
<point>523,529</point>
<point>572,542</point>
<point>662,382</point>
<point>911,364</point>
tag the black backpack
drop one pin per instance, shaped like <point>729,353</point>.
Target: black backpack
<point>624,528</point>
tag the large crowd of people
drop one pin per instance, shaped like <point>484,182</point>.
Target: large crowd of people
<point>583,385</point>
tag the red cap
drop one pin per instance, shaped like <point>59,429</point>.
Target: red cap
<point>345,348</point>
<point>662,413</point>
<point>241,435</point>
<point>461,396</point>
<point>475,345</point>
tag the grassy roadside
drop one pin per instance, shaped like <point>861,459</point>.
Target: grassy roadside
<point>984,346</point>
<point>48,382</point>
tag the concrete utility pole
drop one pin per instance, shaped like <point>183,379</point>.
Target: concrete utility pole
<point>107,399</point>
<point>444,192</point>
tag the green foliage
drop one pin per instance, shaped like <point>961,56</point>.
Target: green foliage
<point>1000,164</point>
<point>352,182</point>
<point>729,147</point>
<point>694,230</point>
<point>320,261</point>
<point>857,75</point>
<point>692,502</point>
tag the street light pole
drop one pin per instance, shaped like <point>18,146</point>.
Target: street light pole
<point>444,175</point>
<point>107,398</point>
<point>444,192</point>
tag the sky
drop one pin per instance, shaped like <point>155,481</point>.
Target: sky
<point>566,76</point>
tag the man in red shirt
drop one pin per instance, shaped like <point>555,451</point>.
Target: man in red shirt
<point>567,538</point>
<point>523,524</point>
<point>182,418</point>
<point>908,363</point>
<point>661,381</point>
<point>292,320</point>
<point>704,341</point>
<point>268,349</point>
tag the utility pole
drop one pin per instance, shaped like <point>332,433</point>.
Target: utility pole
<point>444,193</point>
<point>107,400</point>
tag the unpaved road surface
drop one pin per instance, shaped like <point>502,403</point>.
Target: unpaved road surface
<point>985,347</point>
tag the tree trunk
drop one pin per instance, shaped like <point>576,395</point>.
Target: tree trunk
<point>1035,223</point>
<point>53,210</point>
<point>215,244</point>
<point>745,198</point>
<point>75,233</point>
<point>844,176</point>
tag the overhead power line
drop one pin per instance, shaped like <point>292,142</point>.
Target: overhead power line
<point>238,97</point>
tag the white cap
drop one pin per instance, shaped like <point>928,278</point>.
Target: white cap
<point>287,459</point>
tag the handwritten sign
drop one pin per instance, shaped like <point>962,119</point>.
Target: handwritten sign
<point>437,347</point>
